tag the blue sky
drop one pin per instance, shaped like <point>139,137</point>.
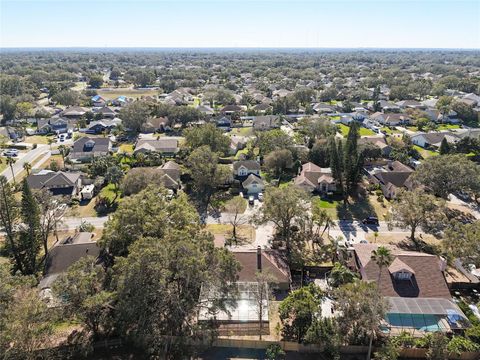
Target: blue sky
<point>230,23</point>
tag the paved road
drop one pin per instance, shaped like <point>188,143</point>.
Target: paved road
<point>71,223</point>
<point>28,157</point>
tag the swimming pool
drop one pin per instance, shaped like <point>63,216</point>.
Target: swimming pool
<point>416,321</point>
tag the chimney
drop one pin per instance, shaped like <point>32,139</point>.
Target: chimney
<point>259,259</point>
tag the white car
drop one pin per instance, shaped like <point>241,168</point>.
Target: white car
<point>260,196</point>
<point>11,152</point>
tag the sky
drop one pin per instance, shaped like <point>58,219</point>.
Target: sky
<point>247,23</point>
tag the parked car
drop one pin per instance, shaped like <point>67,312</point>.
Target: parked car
<point>260,197</point>
<point>251,200</point>
<point>371,220</point>
<point>11,152</point>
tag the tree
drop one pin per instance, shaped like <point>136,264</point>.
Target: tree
<point>324,332</point>
<point>437,346</point>
<point>208,135</point>
<point>298,311</point>
<point>448,174</point>
<point>27,167</point>
<point>279,161</point>
<point>463,241</point>
<point>352,160</point>
<point>261,292</point>
<point>283,206</point>
<point>268,141</point>
<point>416,209</point>
<point>388,351</point>
<point>159,285</point>
<point>444,147</point>
<point>383,258</point>
<point>66,97</point>
<point>134,115</point>
<point>207,174</point>
<point>140,215</point>
<point>95,81</point>
<point>341,275</point>
<point>23,110</point>
<point>7,107</point>
<point>82,290</point>
<point>64,151</point>
<point>236,208</point>
<point>114,175</point>
<point>26,325</point>
<point>336,163</point>
<point>274,352</point>
<point>10,162</point>
<point>50,218</point>
<point>444,106</point>
<point>361,309</point>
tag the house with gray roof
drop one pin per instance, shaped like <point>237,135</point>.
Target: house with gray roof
<point>86,148</point>
<point>58,183</point>
<point>164,145</point>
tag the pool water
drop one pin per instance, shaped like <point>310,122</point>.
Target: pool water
<point>416,321</point>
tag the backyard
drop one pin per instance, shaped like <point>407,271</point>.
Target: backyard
<point>363,131</point>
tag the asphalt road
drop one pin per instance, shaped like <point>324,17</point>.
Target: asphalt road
<point>28,157</point>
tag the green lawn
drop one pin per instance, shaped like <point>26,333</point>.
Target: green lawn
<point>108,192</point>
<point>389,131</point>
<point>243,131</point>
<point>363,131</point>
<point>242,209</point>
<point>3,163</point>
<point>328,204</point>
<point>425,152</point>
<point>240,152</point>
<point>126,148</point>
<point>448,126</point>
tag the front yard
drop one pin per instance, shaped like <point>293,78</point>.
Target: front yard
<point>425,153</point>
<point>362,131</point>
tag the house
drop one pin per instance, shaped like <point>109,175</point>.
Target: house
<point>102,126</point>
<point>253,185</point>
<point>224,123</point>
<point>414,285</point>
<point>376,141</point>
<point>242,315</point>
<point>54,125</point>
<point>390,119</point>
<point>120,101</point>
<point>153,125</point>
<point>231,109</point>
<point>106,112</point>
<point>387,106</point>
<point>11,133</point>
<point>313,178</point>
<point>433,139</point>
<point>164,145</point>
<point>58,183</point>
<point>98,101</point>
<point>206,110</point>
<point>391,177</point>
<point>323,108</point>
<point>73,112</point>
<point>237,143</point>
<point>86,148</point>
<point>262,108</point>
<point>266,122</point>
<point>170,173</point>
<point>410,104</point>
<point>243,168</point>
<point>66,253</point>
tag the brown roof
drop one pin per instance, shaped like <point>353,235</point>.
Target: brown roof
<point>428,280</point>
<point>272,264</point>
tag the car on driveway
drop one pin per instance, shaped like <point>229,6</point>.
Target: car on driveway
<point>11,152</point>
<point>251,200</point>
<point>260,196</point>
<point>371,220</point>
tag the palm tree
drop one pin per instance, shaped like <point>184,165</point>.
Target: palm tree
<point>50,141</point>
<point>64,151</point>
<point>383,258</point>
<point>10,162</point>
<point>27,167</point>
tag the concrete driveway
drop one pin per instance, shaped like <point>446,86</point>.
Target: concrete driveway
<point>29,157</point>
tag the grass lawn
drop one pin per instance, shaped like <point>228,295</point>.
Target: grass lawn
<point>108,192</point>
<point>242,209</point>
<point>343,129</point>
<point>126,148</point>
<point>111,94</point>
<point>243,131</point>
<point>390,131</point>
<point>328,204</point>
<point>448,126</point>
<point>366,132</point>
<point>424,152</point>
<point>3,163</point>
<point>336,117</point>
<point>240,152</point>
<point>247,232</point>
<point>53,158</point>
<point>38,139</point>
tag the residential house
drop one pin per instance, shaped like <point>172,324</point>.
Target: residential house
<point>58,183</point>
<point>170,172</point>
<point>120,101</point>
<point>86,148</point>
<point>164,145</point>
<point>390,119</point>
<point>11,133</point>
<point>231,109</point>
<point>66,253</point>
<point>266,122</point>
<point>98,101</point>
<point>237,143</point>
<point>106,112</point>
<point>243,168</point>
<point>313,178</point>
<point>410,104</point>
<point>414,285</point>
<point>242,315</point>
<point>262,108</point>
<point>102,126</point>
<point>377,141</point>
<point>392,177</point>
<point>73,112</point>
<point>433,139</point>
<point>206,110</point>
<point>253,185</point>
<point>54,125</point>
<point>387,106</point>
<point>153,125</point>
<point>224,123</point>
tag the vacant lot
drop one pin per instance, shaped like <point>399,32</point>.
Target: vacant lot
<point>110,94</point>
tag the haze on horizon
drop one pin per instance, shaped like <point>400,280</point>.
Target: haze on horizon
<point>246,24</point>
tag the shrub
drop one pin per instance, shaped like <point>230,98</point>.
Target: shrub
<point>274,352</point>
<point>459,344</point>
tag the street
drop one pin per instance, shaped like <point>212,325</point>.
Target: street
<point>29,157</point>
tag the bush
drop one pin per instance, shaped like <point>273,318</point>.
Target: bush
<point>274,352</point>
<point>34,146</point>
<point>459,344</point>
<point>54,165</point>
